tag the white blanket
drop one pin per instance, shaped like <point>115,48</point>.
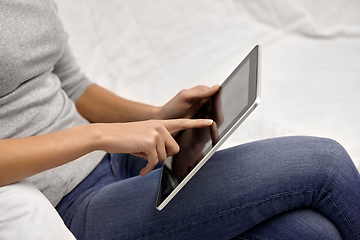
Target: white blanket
<point>149,50</point>
<point>25,213</point>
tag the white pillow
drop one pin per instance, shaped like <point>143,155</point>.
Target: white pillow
<point>25,213</point>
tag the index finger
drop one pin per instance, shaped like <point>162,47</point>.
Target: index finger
<point>175,125</point>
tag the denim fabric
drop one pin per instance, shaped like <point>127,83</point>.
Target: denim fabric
<point>303,223</point>
<point>282,188</point>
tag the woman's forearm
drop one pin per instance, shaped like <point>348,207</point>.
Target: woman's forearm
<point>152,140</point>
<point>24,157</point>
<point>100,105</point>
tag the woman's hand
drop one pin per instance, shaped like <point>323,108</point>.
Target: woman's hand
<point>151,139</point>
<point>186,103</point>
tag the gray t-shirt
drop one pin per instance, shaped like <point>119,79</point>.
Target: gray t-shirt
<point>39,85</point>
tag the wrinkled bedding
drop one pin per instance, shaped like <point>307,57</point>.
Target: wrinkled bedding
<point>148,50</point>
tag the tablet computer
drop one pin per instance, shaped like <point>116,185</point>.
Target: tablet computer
<point>236,98</point>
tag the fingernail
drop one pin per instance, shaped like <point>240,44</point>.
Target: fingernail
<point>208,121</point>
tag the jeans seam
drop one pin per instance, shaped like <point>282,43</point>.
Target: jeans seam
<point>330,182</point>
<point>252,236</point>
<point>228,212</point>
<point>342,212</point>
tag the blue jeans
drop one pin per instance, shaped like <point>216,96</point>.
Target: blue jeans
<point>282,188</point>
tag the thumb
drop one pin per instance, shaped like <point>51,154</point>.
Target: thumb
<point>199,92</point>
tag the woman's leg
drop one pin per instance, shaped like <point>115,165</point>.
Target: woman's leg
<point>302,223</point>
<point>236,189</point>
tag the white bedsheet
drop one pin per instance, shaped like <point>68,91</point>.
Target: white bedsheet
<point>149,50</point>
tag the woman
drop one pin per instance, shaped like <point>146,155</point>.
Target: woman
<point>266,189</point>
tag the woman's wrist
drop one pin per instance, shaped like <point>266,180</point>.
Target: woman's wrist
<point>97,136</point>
<point>156,113</point>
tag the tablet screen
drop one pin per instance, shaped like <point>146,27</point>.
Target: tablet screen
<point>235,97</point>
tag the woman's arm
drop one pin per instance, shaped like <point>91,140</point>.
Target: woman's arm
<point>24,157</point>
<point>100,105</point>
<point>152,140</point>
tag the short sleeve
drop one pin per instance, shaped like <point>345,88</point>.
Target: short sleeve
<point>73,80</point>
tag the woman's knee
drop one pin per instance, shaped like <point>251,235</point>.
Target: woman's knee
<point>287,162</point>
<point>324,153</point>
<point>296,149</point>
<point>331,156</point>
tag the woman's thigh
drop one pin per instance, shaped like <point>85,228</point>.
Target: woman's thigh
<point>237,189</point>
